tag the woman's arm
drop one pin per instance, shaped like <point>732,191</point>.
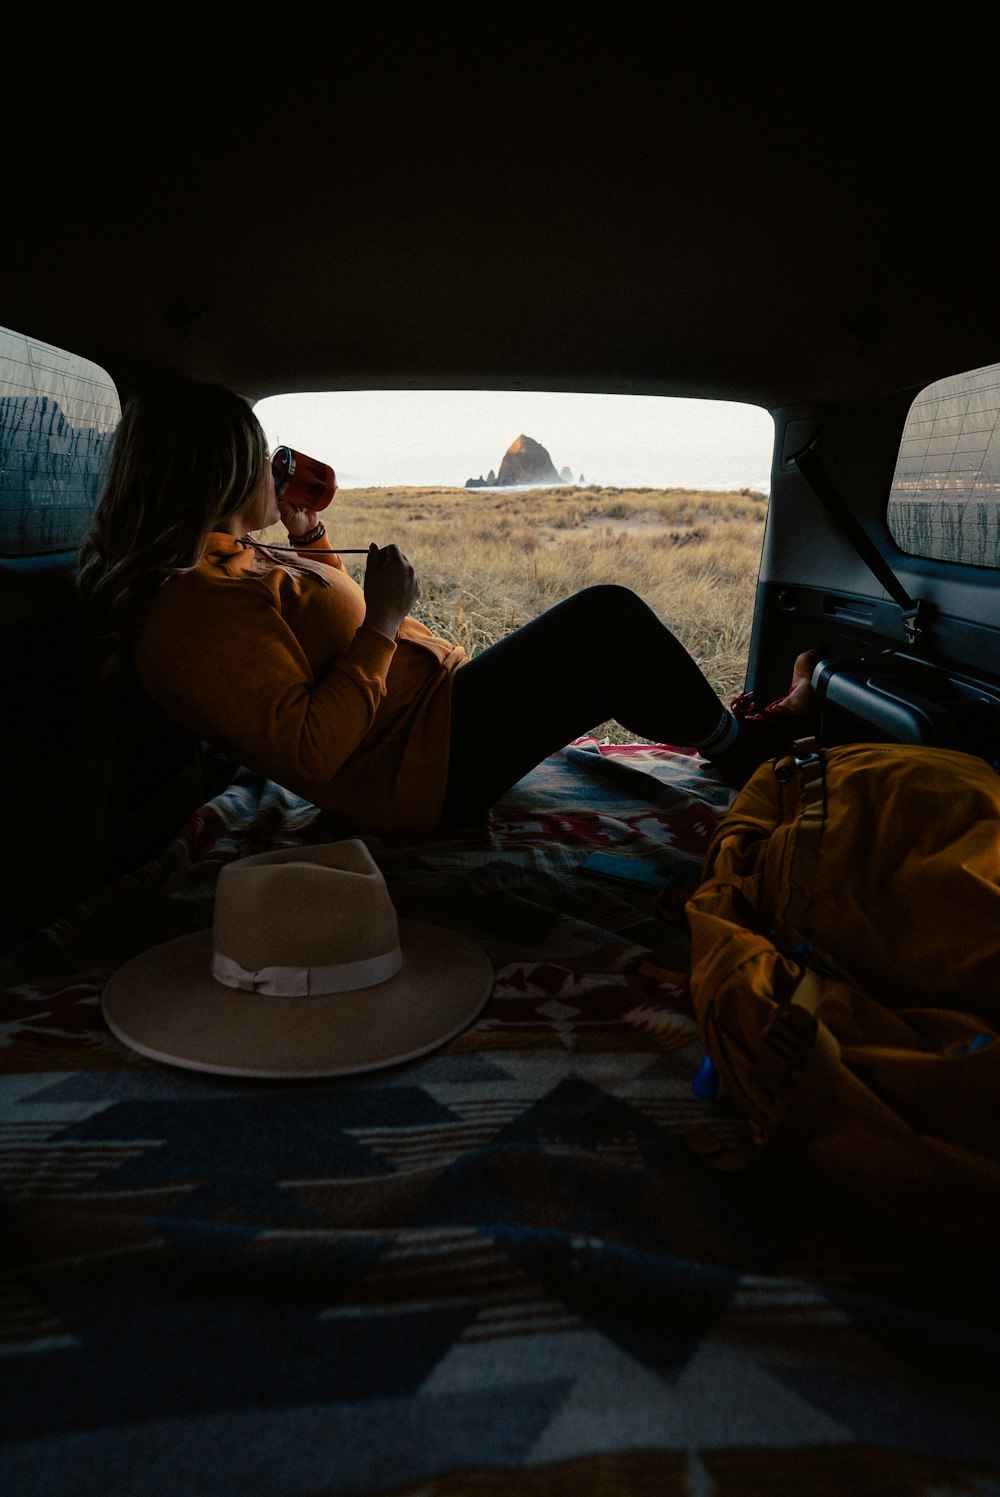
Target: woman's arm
<point>231,669</point>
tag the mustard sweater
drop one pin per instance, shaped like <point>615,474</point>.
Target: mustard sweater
<point>276,666</point>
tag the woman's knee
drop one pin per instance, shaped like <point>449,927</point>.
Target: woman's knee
<point>610,606</point>
<point>593,625</point>
<point>612,593</point>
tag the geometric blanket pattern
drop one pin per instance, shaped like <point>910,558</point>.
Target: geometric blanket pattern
<point>532,1262</point>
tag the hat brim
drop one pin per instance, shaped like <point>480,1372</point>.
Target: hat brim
<point>165,1004</point>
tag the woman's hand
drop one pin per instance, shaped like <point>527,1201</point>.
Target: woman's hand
<point>297,521</point>
<point>391,588</point>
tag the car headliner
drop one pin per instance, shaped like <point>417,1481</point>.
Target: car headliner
<point>572,213</point>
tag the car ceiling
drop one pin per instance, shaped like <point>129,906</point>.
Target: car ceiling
<point>558,210</point>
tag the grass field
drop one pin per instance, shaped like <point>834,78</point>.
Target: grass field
<point>489,561</point>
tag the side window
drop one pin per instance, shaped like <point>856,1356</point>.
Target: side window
<point>945,497</point>
<point>57,416</point>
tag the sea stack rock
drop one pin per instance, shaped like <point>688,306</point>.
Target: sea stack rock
<point>565,475</point>
<point>526,462</point>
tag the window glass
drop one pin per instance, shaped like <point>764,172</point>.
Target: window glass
<point>945,498</point>
<point>57,415</point>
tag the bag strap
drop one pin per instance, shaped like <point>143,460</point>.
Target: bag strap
<point>808,761</point>
<point>813,472</point>
<point>798,1054</point>
<point>799,1057</point>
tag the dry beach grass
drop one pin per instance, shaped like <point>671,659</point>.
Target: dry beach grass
<point>489,560</point>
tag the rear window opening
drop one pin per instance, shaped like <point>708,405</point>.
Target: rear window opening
<point>945,496</point>
<point>666,496</point>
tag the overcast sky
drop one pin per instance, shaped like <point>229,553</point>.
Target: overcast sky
<point>445,437</point>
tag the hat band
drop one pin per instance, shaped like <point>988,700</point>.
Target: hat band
<point>301,982</point>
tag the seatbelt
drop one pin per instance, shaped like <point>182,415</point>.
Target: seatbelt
<point>812,471</point>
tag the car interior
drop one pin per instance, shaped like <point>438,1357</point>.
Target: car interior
<point>799,227</point>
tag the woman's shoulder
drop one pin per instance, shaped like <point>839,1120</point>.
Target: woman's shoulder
<point>206,587</point>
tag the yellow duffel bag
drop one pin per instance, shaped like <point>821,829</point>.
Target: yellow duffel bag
<point>846,973</point>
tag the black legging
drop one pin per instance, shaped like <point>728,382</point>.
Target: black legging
<point>601,654</point>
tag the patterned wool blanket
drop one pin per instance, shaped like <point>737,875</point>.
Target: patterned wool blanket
<point>532,1262</point>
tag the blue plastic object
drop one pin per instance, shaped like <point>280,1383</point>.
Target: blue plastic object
<point>706,1081</point>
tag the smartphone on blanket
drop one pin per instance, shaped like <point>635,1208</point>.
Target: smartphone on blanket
<point>628,870</point>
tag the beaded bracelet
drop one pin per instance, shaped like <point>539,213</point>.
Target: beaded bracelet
<point>311,537</point>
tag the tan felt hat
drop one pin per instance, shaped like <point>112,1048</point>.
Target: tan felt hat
<point>306,972</point>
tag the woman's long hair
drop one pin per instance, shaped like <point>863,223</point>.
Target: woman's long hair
<point>186,456</point>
